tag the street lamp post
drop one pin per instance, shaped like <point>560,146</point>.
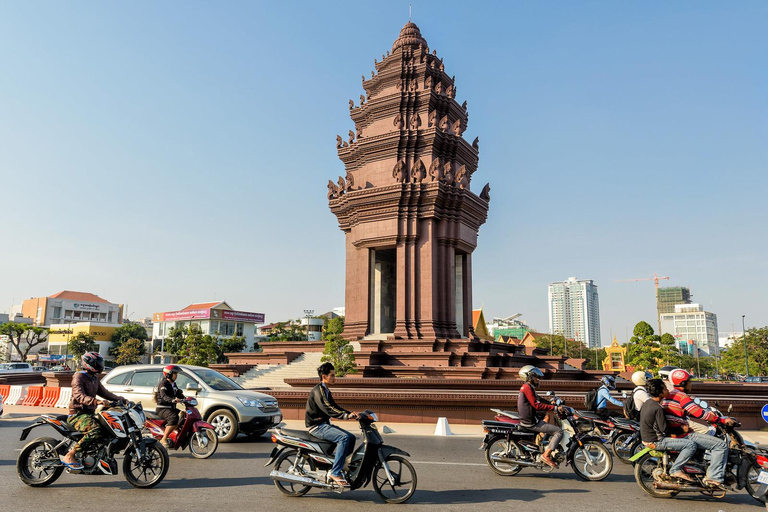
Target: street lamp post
<point>308,314</point>
<point>744,337</point>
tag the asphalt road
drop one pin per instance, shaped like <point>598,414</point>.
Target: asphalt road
<point>452,475</point>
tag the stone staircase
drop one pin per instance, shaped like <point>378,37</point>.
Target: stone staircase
<point>274,375</point>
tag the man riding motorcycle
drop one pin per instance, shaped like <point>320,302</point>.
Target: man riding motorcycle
<point>640,394</point>
<point>86,386</point>
<point>604,396</point>
<point>321,407</point>
<point>678,406</point>
<point>527,405</point>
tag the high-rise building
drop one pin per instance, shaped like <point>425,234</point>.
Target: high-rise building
<point>574,310</point>
<point>668,298</point>
<point>692,327</point>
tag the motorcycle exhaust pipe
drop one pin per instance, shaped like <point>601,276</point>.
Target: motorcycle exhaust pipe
<point>294,479</point>
<point>518,462</point>
<point>669,486</point>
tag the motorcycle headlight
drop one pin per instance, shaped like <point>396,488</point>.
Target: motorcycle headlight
<point>250,402</point>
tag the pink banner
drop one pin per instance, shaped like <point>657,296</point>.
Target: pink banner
<point>192,314</point>
<point>243,316</point>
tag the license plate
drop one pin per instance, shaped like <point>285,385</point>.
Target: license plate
<point>277,419</point>
<point>763,477</point>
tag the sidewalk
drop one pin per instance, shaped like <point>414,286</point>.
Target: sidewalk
<point>21,412</point>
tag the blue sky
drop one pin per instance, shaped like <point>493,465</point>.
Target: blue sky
<point>162,153</point>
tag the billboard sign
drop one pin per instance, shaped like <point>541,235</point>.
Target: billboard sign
<point>191,314</point>
<point>242,316</point>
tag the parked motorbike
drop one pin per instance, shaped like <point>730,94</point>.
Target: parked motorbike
<point>145,461</point>
<point>746,467</point>
<point>509,447</point>
<point>304,461</point>
<point>199,435</point>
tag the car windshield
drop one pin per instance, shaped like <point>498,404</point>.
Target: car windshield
<point>217,381</point>
<point>5,366</point>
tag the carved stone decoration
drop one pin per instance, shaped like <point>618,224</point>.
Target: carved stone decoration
<point>476,143</point>
<point>448,173</point>
<point>398,122</point>
<point>350,181</point>
<point>359,131</point>
<point>457,128</point>
<point>342,185</point>
<point>339,141</point>
<point>442,66</point>
<point>418,172</point>
<point>351,136</point>
<point>400,85</point>
<point>452,94</point>
<point>434,52</point>
<point>415,122</point>
<point>435,170</point>
<point>413,85</point>
<point>449,91</point>
<point>375,61</point>
<point>362,99</point>
<point>363,78</point>
<point>439,88</point>
<point>333,190</point>
<point>399,172</point>
<point>351,104</point>
<point>443,126</point>
<point>387,53</point>
<point>486,192</point>
<point>462,180</point>
<point>453,79</point>
<point>434,65</point>
<point>344,145</point>
<point>428,82</point>
<point>432,118</point>
<point>373,74</point>
<point>464,105</point>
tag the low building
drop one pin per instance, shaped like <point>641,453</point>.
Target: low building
<point>692,327</point>
<point>509,327</point>
<point>214,318</point>
<point>60,334</point>
<point>315,330</point>
<point>71,307</point>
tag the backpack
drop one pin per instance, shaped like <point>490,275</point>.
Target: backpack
<point>630,411</point>
<point>590,401</point>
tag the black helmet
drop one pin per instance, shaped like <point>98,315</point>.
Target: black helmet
<point>93,362</point>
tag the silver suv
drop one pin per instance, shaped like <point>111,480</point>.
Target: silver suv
<point>222,402</point>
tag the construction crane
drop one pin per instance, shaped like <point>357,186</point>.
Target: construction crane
<point>655,279</point>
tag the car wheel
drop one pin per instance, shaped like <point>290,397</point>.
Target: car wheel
<point>225,425</point>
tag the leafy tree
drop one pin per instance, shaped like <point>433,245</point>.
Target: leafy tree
<point>23,335</point>
<point>668,350</point>
<point>130,351</point>
<point>82,343</point>
<point>127,332</point>
<point>338,351</point>
<point>558,345</point>
<point>595,359</point>
<point>732,360</point>
<point>291,330</point>
<point>333,326</point>
<point>643,347</point>
<point>229,345</point>
<point>192,346</point>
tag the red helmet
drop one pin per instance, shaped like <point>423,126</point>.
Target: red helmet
<point>171,368</point>
<point>679,377</point>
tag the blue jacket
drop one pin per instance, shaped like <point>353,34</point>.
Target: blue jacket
<point>604,396</point>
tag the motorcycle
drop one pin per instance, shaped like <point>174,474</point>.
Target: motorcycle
<point>304,461</point>
<point>509,447</point>
<point>746,467</point>
<point>621,434</point>
<point>199,435</point>
<point>145,461</point>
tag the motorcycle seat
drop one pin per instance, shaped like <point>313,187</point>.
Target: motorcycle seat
<point>151,415</point>
<point>327,446</point>
<point>587,415</point>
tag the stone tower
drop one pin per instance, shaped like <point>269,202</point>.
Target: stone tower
<point>405,205</point>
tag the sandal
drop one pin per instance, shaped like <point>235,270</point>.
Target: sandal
<point>682,476</point>
<point>548,461</point>
<point>713,483</point>
<point>76,466</point>
<point>339,480</point>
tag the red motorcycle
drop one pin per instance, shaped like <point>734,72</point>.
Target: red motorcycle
<point>199,435</point>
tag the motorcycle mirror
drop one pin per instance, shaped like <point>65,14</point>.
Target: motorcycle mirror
<point>624,394</point>
<point>730,408</point>
<point>697,401</point>
<point>550,393</point>
<point>703,404</point>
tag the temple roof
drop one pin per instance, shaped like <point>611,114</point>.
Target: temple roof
<point>410,35</point>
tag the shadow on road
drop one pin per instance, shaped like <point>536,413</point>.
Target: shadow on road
<point>184,483</point>
<point>222,455</point>
<point>485,495</point>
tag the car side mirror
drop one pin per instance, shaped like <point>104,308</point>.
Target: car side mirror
<point>193,387</point>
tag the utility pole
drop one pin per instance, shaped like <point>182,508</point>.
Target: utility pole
<point>744,337</point>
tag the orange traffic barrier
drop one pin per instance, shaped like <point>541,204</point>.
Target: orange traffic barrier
<point>50,396</point>
<point>34,395</point>
<point>5,390</point>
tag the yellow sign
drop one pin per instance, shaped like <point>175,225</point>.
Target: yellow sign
<point>64,333</point>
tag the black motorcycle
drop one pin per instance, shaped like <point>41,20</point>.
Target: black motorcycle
<point>746,467</point>
<point>145,461</point>
<point>621,434</point>
<point>305,461</point>
<point>509,447</point>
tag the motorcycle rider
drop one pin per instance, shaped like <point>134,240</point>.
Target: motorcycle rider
<point>653,426</point>
<point>527,405</point>
<point>640,394</point>
<point>86,386</point>
<point>167,396</point>
<point>321,407</point>
<point>604,396</point>
<point>678,406</point>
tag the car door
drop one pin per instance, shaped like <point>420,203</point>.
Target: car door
<point>118,383</point>
<point>143,386</point>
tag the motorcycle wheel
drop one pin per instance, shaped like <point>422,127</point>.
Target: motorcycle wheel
<point>203,443</point>
<point>752,483</point>
<point>592,461</point>
<point>285,464</point>
<point>28,467</point>
<point>404,475</point>
<point>501,447</point>
<point>626,453</point>
<point>644,477</point>
<point>147,473</point>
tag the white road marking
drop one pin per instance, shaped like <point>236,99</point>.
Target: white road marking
<point>447,463</point>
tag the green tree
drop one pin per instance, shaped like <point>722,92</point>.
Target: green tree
<point>338,351</point>
<point>596,358</point>
<point>643,347</point>
<point>558,345</point>
<point>228,346</point>
<point>333,326</point>
<point>192,346</point>
<point>668,351</point>
<point>82,343</point>
<point>732,360</point>
<point>127,332</point>
<point>130,351</point>
<point>23,337</point>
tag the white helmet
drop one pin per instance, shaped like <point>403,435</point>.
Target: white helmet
<point>529,372</point>
<point>640,377</point>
